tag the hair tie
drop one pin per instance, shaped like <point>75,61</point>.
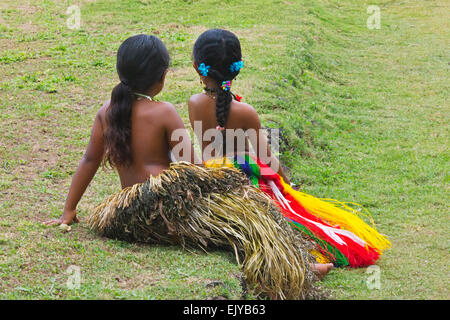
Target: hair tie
<point>124,82</point>
<point>226,85</point>
<point>220,128</point>
<point>236,66</point>
<point>203,69</point>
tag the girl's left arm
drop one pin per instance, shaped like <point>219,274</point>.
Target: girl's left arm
<point>261,145</point>
<point>179,139</point>
<point>86,170</point>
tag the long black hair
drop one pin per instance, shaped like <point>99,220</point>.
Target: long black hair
<point>141,62</point>
<point>219,49</point>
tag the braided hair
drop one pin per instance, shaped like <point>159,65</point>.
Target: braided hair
<point>141,63</point>
<point>219,49</point>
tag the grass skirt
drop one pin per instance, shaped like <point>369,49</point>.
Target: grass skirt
<point>213,207</point>
<point>342,237</point>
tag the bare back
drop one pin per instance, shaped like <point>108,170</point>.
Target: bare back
<point>241,116</point>
<point>152,124</point>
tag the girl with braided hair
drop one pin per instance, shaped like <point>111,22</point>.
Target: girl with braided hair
<point>340,234</point>
<point>218,60</point>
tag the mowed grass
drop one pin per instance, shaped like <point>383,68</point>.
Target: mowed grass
<point>365,117</point>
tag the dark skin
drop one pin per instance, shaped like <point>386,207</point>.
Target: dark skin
<point>153,123</point>
<point>241,116</point>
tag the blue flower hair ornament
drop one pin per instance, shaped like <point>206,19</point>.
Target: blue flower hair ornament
<point>236,66</point>
<point>203,69</point>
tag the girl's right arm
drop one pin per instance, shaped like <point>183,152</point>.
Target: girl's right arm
<point>86,170</point>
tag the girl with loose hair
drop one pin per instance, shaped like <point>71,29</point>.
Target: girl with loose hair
<point>131,132</point>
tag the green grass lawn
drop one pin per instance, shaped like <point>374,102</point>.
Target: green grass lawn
<point>365,114</point>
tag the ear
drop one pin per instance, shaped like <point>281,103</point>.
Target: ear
<point>163,77</point>
<point>195,65</point>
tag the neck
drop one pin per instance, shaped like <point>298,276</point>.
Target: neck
<point>151,92</point>
<point>210,83</point>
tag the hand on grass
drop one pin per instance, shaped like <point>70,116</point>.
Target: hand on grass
<point>67,217</point>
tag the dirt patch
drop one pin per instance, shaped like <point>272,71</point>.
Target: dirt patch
<point>141,281</point>
<point>179,72</point>
<point>30,27</point>
<point>28,9</point>
<point>7,44</point>
<point>196,30</point>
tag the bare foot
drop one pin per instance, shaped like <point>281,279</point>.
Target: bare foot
<point>321,269</point>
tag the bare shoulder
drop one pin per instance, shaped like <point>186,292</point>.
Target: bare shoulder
<point>101,113</point>
<point>196,98</point>
<point>247,115</point>
<point>166,112</point>
<point>165,108</point>
<point>195,101</point>
<point>103,108</point>
<point>152,109</point>
<point>245,109</point>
